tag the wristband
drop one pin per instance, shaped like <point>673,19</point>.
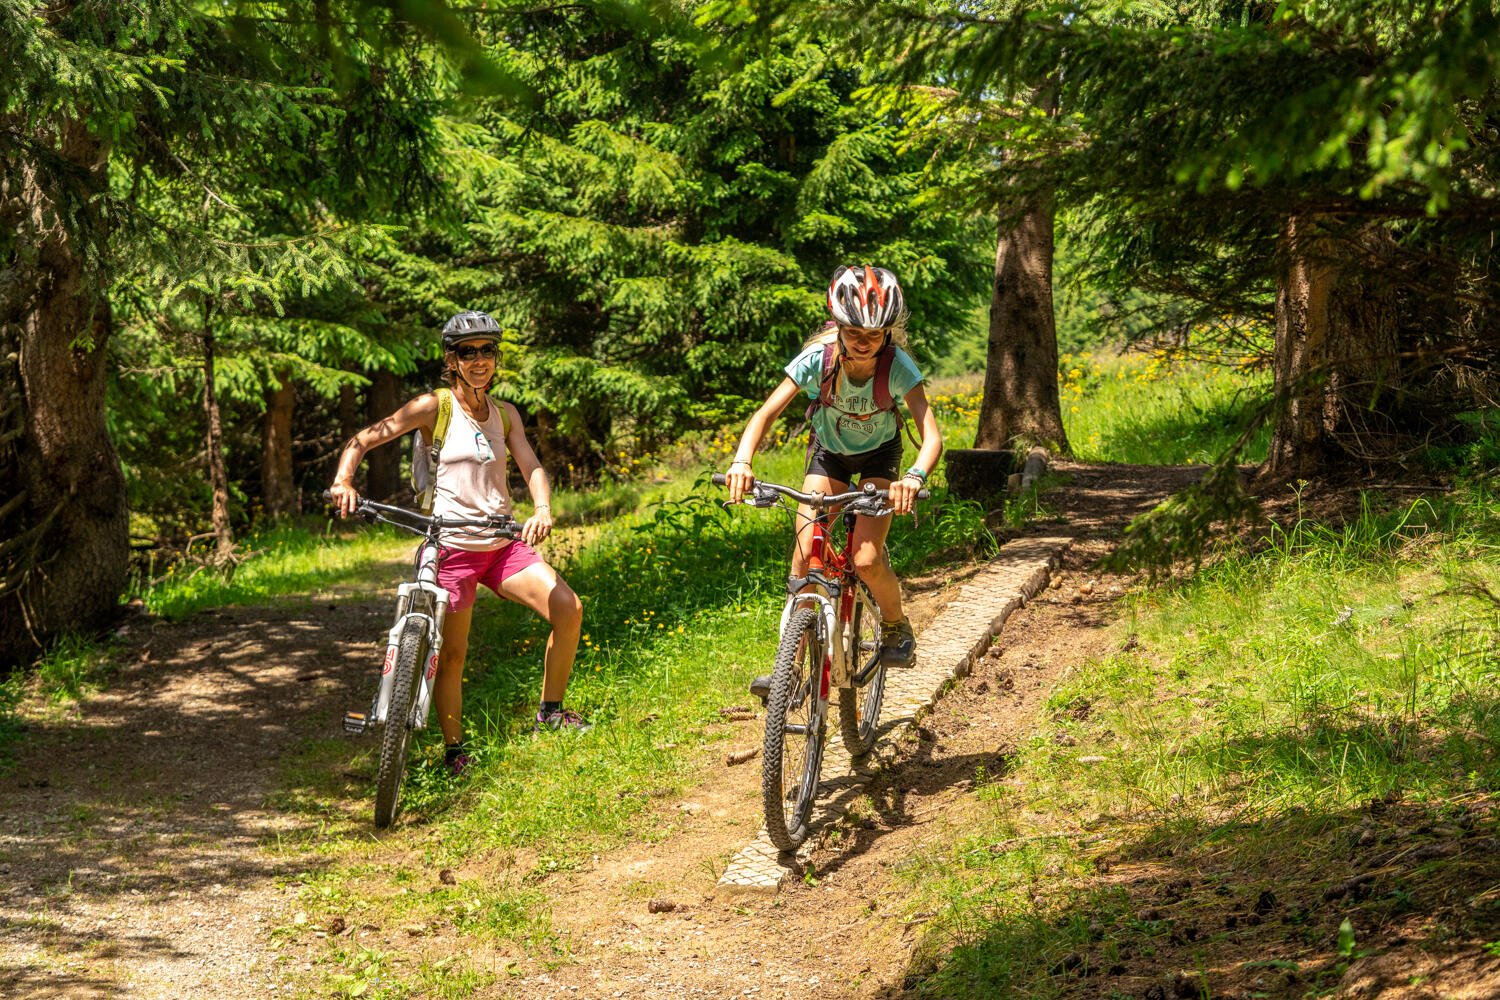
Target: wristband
<point>917,471</point>
<point>540,506</point>
<point>740,461</point>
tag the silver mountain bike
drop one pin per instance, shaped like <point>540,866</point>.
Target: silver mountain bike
<point>401,702</point>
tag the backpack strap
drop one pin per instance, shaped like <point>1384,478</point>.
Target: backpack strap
<point>435,449</point>
<point>828,380</point>
<point>504,416</point>
<point>440,426</point>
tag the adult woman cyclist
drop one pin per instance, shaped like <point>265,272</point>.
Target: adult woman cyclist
<point>470,482</point>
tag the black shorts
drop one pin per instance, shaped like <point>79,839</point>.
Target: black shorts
<point>882,462</point>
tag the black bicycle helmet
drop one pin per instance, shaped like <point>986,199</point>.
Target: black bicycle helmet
<point>469,326</point>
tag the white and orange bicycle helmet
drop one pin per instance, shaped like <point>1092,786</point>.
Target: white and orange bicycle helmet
<point>867,297</point>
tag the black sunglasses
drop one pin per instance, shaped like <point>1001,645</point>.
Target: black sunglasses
<point>469,352</point>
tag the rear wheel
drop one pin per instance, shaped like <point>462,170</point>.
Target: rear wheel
<point>859,703</point>
<point>794,732</point>
<point>411,659</point>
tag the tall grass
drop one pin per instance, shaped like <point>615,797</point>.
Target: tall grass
<point>282,561</point>
<point>1141,409</point>
<point>1247,719</point>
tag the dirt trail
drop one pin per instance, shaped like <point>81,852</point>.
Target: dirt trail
<point>844,931</point>
<point>138,829</point>
<point>134,827</point>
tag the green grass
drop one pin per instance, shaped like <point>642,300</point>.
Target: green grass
<point>1158,409</point>
<point>1237,738</point>
<point>1138,409</point>
<point>283,561</point>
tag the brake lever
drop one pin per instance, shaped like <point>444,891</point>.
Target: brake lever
<point>870,506</point>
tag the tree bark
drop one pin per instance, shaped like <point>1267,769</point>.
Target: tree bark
<point>1020,406</point>
<point>384,476</point>
<point>1336,363</point>
<point>64,538</point>
<point>278,492</point>
<point>218,476</point>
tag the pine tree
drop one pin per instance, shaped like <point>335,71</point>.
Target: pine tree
<point>164,156</point>
<point>657,225</point>
<point>1324,168</point>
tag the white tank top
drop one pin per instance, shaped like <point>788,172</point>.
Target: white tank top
<point>471,476</point>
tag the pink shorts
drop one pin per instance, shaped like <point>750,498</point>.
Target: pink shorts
<point>460,571</point>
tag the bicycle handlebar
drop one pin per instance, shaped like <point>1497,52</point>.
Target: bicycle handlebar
<point>419,524</point>
<point>818,501</point>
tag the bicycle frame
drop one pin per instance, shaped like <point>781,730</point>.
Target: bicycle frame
<point>421,597</point>
<point>830,573</point>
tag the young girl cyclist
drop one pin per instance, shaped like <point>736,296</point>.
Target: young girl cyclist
<point>856,431</point>
<point>470,483</point>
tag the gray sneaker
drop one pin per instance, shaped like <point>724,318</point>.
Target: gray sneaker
<point>897,643</point>
<point>562,720</point>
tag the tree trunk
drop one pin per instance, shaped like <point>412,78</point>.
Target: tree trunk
<point>1020,405</point>
<point>1336,359</point>
<point>278,492</point>
<point>218,476</point>
<point>64,539</point>
<point>384,482</point>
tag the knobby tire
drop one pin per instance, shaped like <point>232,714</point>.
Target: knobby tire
<point>859,706</point>
<point>794,757</point>
<point>411,660</point>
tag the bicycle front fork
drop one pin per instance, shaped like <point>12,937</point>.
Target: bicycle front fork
<point>356,722</point>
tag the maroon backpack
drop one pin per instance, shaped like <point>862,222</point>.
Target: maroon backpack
<point>883,399</point>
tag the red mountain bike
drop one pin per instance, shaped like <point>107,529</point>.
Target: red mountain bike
<point>830,638</point>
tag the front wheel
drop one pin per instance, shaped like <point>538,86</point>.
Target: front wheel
<point>859,703</point>
<point>793,752</point>
<point>411,659</point>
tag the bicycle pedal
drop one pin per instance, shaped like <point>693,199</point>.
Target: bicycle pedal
<point>356,723</point>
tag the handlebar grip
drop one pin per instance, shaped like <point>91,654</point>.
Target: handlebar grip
<point>719,479</point>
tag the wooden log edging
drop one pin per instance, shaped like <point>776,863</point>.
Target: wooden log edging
<point>947,649</point>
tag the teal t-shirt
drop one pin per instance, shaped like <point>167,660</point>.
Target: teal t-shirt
<point>853,424</point>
